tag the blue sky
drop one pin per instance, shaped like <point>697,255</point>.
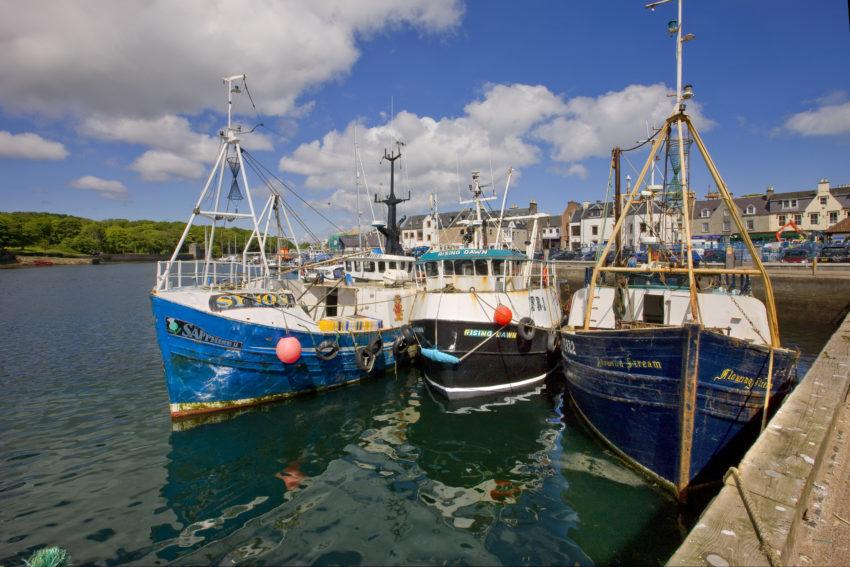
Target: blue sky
<point>110,109</point>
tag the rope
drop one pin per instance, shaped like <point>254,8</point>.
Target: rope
<point>767,549</point>
<point>750,321</point>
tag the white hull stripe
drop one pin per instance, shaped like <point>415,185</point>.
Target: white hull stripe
<point>496,388</point>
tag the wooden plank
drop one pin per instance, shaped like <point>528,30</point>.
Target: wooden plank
<point>777,471</point>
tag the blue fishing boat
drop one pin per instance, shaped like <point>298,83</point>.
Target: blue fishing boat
<point>243,331</point>
<point>674,366</point>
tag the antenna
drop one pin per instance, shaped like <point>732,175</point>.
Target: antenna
<point>392,231</point>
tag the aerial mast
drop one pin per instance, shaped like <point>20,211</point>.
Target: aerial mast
<point>391,231</point>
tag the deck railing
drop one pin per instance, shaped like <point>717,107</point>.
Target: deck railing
<point>210,275</point>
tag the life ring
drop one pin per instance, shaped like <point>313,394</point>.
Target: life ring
<point>545,277</point>
<point>364,358</point>
<point>526,329</point>
<point>327,350</point>
<point>375,345</point>
<point>552,340</point>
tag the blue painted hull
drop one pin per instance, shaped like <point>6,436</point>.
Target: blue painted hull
<point>213,363</point>
<point>630,386</point>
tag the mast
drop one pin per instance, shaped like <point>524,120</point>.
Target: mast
<point>391,231</point>
<point>618,205</point>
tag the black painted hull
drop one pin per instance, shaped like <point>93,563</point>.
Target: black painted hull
<point>503,365</point>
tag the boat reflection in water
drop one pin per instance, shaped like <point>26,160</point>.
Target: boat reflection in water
<point>383,473</point>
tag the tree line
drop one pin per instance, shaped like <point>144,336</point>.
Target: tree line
<point>32,231</point>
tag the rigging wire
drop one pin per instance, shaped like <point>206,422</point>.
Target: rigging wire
<point>289,188</point>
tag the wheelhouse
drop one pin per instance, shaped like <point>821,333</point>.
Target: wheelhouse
<point>483,270</point>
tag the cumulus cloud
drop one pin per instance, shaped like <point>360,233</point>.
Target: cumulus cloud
<point>590,126</point>
<point>510,126</point>
<point>152,58</point>
<point>107,188</point>
<point>30,146</point>
<point>829,119</point>
<point>177,151</point>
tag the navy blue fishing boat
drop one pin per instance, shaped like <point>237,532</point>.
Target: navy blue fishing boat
<point>674,366</point>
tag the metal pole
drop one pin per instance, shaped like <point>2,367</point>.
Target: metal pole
<point>618,206</point>
<point>686,215</point>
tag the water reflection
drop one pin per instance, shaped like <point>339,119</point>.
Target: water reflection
<point>383,473</point>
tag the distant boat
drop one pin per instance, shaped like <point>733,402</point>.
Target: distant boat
<point>676,367</point>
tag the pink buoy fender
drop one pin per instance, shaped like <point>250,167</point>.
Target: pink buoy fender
<point>503,315</point>
<point>288,350</point>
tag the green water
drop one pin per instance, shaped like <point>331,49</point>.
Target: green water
<point>376,473</point>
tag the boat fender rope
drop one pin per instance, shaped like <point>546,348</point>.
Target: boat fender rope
<point>526,328</point>
<point>399,347</point>
<point>327,350</point>
<point>767,549</point>
<point>375,345</point>
<point>407,333</point>
<point>552,341</point>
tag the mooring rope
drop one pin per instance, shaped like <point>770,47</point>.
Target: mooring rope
<point>767,549</point>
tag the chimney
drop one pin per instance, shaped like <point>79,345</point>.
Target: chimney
<point>823,186</point>
<point>769,192</point>
<point>532,207</point>
<point>584,205</point>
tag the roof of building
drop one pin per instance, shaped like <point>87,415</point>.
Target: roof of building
<point>370,240</point>
<point>841,227</point>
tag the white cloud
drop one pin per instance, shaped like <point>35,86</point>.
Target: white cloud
<point>107,188</point>
<point>158,57</point>
<point>157,165</point>
<point>827,120</point>
<point>177,150</point>
<point>30,146</point>
<point>590,127</point>
<point>510,126</point>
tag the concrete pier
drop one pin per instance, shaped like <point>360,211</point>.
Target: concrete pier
<point>794,480</point>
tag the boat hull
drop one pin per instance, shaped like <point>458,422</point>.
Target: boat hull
<point>632,388</point>
<point>214,363</point>
<point>503,365</point>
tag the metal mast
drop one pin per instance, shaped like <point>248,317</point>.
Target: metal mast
<point>391,231</point>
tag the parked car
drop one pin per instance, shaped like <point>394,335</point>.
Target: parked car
<point>834,253</point>
<point>565,255</point>
<point>795,256</point>
<point>714,255</point>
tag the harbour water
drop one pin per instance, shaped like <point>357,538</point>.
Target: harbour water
<point>377,473</point>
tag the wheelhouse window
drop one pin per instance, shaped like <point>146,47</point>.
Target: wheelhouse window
<point>448,268</point>
<point>357,267</point>
<point>431,269</point>
<point>498,267</point>
<point>480,267</point>
<point>392,264</point>
<point>369,266</point>
<point>382,266</point>
<point>464,268</point>
<point>348,266</point>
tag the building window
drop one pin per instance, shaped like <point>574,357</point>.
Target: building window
<point>751,210</point>
<point>594,230</point>
<point>798,219</point>
<point>727,226</point>
<point>782,220</point>
<point>705,227</point>
<point>726,213</point>
<point>428,238</point>
<point>833,217</point>
<point>427,224</point>
<point>576,230</point>
<point>814,218</point>
<point>823,200</point>
<point>705,213</point>
<point>750,224</point>
<point>643,227</point>
<point>789,204</point>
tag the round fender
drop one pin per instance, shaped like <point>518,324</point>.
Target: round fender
<point>375,345</point>
<point>407,333</point>
<point>327,350</point>
<point>526,329</point>
<point>399,347</point>
<point>553,340</point>
<point>364,358</point>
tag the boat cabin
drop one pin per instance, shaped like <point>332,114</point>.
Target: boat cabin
<point>376,267</point>
<point>484,270</point>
